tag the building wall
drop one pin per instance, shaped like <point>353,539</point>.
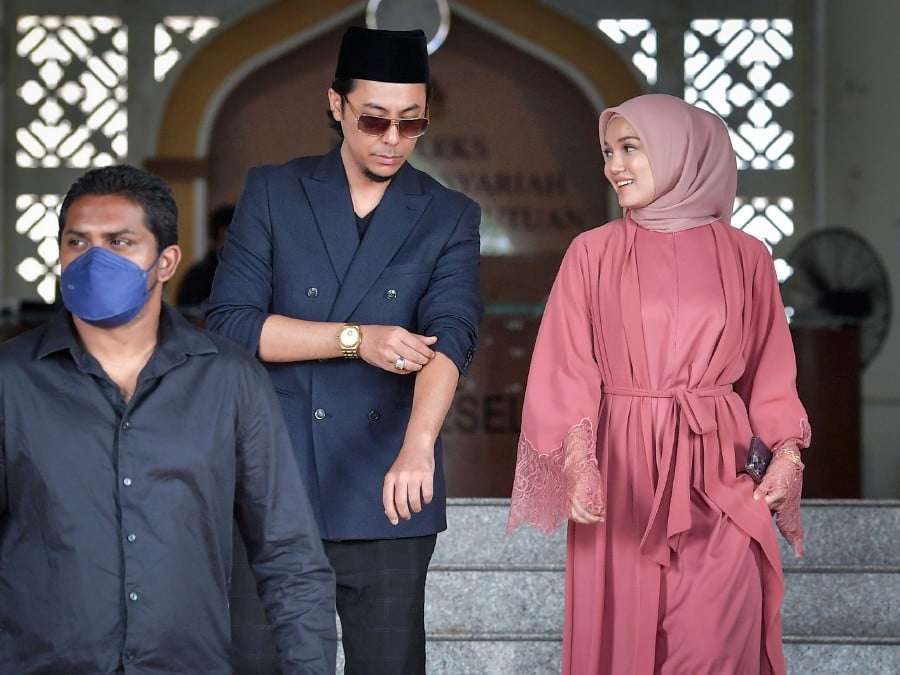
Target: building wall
<point>862,192</point>
<point>852,126</point>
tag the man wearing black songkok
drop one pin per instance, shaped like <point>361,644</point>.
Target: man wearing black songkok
<point>354,278</point>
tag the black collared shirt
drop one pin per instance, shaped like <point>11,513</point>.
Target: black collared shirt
<point>116,518</point>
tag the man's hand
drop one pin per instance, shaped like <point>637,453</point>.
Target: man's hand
<point>409,484</point>
<point>388,347</point>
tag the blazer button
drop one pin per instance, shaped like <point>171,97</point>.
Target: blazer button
<point>374,415</point>
<point>319,414</point>
<point>312,292</point>
<point>390,294</point>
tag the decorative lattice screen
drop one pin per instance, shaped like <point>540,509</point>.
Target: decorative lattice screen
<point>74,91</point>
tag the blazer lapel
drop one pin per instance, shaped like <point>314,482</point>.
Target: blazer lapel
<point>329,198</point>
<point>395,217</point>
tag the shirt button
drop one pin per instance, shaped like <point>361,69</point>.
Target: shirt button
<point>374,415</point>
<point>133,596</point>
<point>390,294</point>
<point>126,481</point>
<point>128,656</point>
<point>312,292</point>
<point>319,414</point>
<point>125,426</point>
<point>132,537</point>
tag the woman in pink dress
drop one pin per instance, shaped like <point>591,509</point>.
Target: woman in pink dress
<point>663,348</point>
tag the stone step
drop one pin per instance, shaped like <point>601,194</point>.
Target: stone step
<point>839,534</point>
<point>468,656</point>
<point>848,533</point>
<point>841,658</point>
<point>494,602</point>
<point>841,596</point>
<point>842,604</point>
<point>530,601</point>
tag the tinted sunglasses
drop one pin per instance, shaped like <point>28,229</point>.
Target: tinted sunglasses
<point>372,125</point>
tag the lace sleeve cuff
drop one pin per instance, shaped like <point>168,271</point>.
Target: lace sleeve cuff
<point>802,440</point>
<point>786,473</point>
<point>545,482</point>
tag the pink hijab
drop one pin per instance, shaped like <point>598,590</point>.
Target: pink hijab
<point>693,162</point>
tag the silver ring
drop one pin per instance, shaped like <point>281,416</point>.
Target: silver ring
<point>400,363</point>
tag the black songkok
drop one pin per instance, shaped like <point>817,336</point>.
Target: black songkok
<point>383,56</point>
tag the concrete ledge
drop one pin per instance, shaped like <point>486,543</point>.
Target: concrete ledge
<point>839,533</point>
<point>851,604</point>
<point>511,602</point>
<point>842,659</point>
<point>494,602</point>
<point>531,601</point>
<point>524,658</point>
<point>857,533</point>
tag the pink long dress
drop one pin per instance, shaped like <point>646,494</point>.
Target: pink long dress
<point>658,356</point>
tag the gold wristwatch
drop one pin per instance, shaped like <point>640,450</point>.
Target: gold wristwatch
<point>350,338</point>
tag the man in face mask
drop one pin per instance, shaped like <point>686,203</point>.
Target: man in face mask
<point>129,443</point>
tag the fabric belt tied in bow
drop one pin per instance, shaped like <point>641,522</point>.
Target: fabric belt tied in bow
<point>674,478</point>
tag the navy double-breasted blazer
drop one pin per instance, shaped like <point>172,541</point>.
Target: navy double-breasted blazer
<point>293,249</point>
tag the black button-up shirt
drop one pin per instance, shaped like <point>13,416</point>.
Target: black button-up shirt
<point>116,518</point>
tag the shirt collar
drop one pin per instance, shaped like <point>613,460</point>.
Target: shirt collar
<point>178,340</point>
<point>59,335</point>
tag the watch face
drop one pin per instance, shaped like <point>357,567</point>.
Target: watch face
<point>349,336</point>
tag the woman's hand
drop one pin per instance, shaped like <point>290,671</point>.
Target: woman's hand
<point>775,496</point>
<point>579,513</point>
<point>781,479</point>
<point>781,486</point>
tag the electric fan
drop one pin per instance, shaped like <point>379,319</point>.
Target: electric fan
<point>838,279</point>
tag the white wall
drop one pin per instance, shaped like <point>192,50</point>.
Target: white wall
<point>862,150</point>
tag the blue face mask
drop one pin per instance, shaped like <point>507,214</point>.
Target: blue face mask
<point>104,289</point>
